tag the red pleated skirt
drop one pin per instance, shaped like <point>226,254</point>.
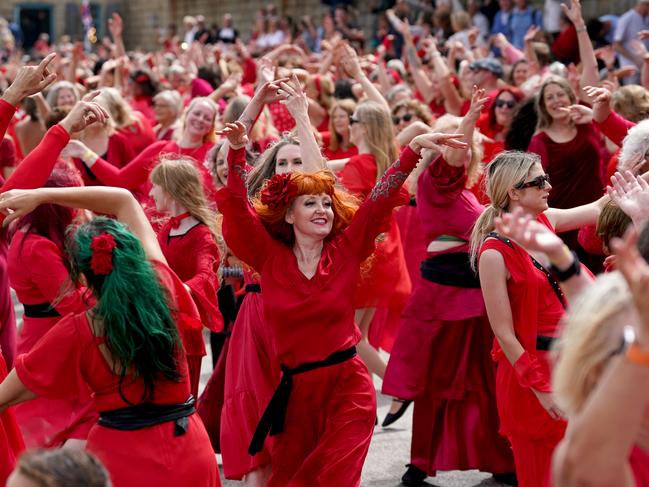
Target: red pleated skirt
<point>329,425</point>
<point>251,376</point>
<point>154,457</point>
<point>11,441</point>
<point>445,366</point>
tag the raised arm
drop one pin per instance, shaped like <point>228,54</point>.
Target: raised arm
<point>116,27</point>
<point>462,156</point>
<point>452,99</point>
<point>349,60</point>
<point>297,104</point>
<point>110,201</point>
<point>589,72</point>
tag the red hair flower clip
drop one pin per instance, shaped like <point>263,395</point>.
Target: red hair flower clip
<point>102,246</point>
<point>278,191</point>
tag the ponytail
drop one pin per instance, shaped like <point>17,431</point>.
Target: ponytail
<point>483,225</point>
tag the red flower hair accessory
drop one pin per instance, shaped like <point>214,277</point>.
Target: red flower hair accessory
<point>102,246</point>
<point>279,191</point>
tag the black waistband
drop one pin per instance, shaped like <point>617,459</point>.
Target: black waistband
<point>146,415</point>
<point>40,310</point>
<point>544,343</point>
<point>450,269</point>
<point>253,288</point>
<point>272,421</point>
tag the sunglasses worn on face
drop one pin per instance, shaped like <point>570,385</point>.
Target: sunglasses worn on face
<point>537,182</point>
<point>505,103</point>
<point>406,118</point>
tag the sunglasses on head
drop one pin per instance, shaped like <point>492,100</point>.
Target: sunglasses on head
<point>538,182</point>
<point>406,118</point>
<point>353,120</point>
<point>505,103</point>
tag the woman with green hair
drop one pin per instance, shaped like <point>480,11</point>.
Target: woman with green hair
<point>127,347</point>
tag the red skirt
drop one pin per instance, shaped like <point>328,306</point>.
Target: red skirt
<point>329,425</point>
<point>251,375</point>
<point>445,366</point>
<point>11,441</point>
<point>154,457</point>
<point>639,461</point>
<point>210,404</point>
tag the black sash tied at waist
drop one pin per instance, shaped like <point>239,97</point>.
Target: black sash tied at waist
<point>40,310</point>
<point>272,421</point>
<point>450,269</point>
<point>544,343</point>
<point>146,415</point>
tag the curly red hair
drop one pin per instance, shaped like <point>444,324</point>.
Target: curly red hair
<point>343,204</point>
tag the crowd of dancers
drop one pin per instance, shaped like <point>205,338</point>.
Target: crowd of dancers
<point>478,215</point>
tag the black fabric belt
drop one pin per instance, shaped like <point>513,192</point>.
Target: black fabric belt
<point>450,269</point>
<point>253,288</point>
<point>40,310</point>
<point>146,415</point>
<point>544,343</point>
<point>272,421</point>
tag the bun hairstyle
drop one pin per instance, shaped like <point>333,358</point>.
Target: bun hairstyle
<point>132,307</point>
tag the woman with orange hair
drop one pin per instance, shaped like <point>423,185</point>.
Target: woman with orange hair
<point>307,241</point>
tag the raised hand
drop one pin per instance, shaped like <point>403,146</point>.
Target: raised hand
<point>236,134</point>
<point>265,69</point>
<point>17,203</point>
<point>631,194</point>
<point>573,12</point>
<point>530,35</point>
<point>478,101</point>
<point>435,140</point>
<point>295,98</point>
<point>84,113</point>
<point>116,26</point>
<point>269,91</point>
<point>529,233</point>
<point>348,60</point>
<point>29,81</point>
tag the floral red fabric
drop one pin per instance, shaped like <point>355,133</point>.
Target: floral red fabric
<point>102,247</point>
<point>278,191</point>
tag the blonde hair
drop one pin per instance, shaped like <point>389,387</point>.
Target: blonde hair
<point>636,142</point>
<point>348,105</point>
<point>460,21</point>
<point>379,134</point>
<point>210,136</point>
<point>507,169</point>
<point>182,181</point>
<point>421,110</point>
<point>118,108</point>
<point>324,87</point>
<point>545,120</point>
<point>593,332</point>
<point>632,102</point>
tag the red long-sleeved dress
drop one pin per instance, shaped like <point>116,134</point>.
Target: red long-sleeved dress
<point>194,257</point>
<point>38,275</point>
<point>31,173</point>
<point>385,283</point>
<point>441,356</point>
<point>331,411</point>
<point>536,311</point>
<point>151,456</point>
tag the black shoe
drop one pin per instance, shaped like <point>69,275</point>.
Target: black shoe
<point>414,477</point>
<point>508,478</point>
<point>392,417</point>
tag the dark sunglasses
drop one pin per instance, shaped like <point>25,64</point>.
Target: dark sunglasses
<point>353,120</point>
<point>406,118</point>
<point>505,103</point>
<point>537,182</point>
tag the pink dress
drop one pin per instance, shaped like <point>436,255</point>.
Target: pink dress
<point>441,356</point>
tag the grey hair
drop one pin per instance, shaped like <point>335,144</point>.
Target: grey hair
<point>53,93</point>
<point>636,142</point>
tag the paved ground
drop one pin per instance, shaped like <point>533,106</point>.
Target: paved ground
<point>389,451</point>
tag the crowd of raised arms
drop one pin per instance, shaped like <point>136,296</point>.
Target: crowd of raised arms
<point>455,205</point>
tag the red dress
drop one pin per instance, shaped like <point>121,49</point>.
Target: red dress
<point>339,153</point>
<point>331,411</point>
<point>139,134</point>
<point>251,374</point>
<point>536,311</point>
<point>31,173</point>
<point>384,283</point>
<point>38,275</point>
<point>194,257</point>
<point>441,356</point>
<point>151,456</point>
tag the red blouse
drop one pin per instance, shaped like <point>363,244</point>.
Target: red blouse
<point>194,257</point>
<point>339,153</point>
<point>140,134</point>
<point>310,318</point>
<point>119,153</point>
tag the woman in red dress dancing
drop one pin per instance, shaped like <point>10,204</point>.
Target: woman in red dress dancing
<point>524,304</point>
<point>307,241</point>
<point>441,356</point>
<point>127,347</point>
<point>188,242</point>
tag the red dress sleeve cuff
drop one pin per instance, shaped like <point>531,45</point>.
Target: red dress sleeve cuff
<point>530,373</point>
